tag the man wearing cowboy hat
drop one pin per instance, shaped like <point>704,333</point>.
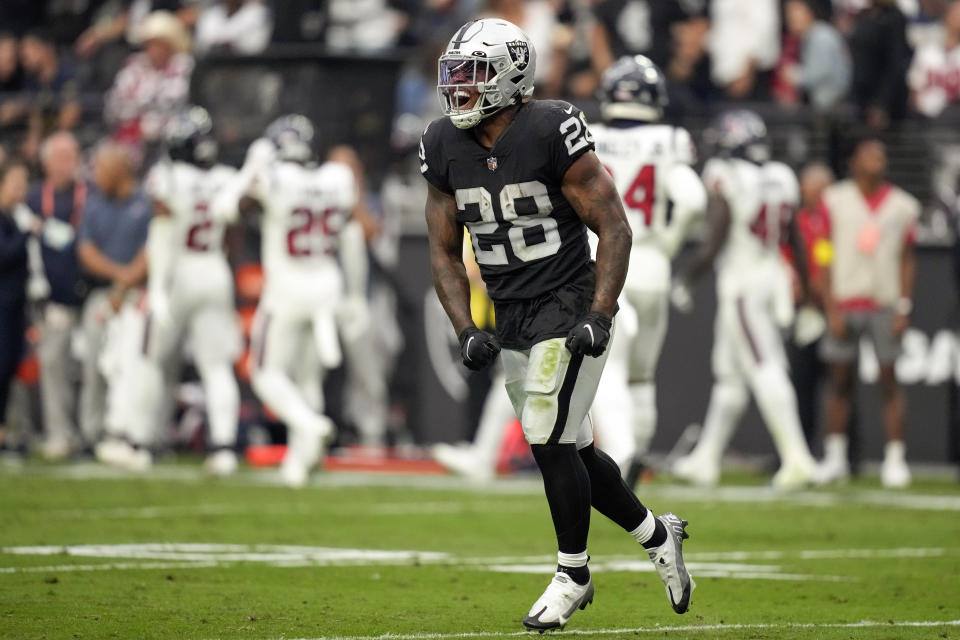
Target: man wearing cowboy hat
<point>154,83</point>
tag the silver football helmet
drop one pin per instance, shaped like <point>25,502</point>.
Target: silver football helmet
<point>490,59</point>
<point>292,135</point>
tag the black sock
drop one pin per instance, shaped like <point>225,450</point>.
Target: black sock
<point>659,535</point>
<point>610,495</point>
<point>567,485</point>
<point>580,575</point>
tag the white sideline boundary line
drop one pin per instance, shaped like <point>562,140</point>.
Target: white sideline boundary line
<point>521,485</point>
<point>862,624</point>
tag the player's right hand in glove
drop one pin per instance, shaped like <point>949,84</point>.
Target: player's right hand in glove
<point>590,335</point>
<point>478,348</point>
<point>680,296</point>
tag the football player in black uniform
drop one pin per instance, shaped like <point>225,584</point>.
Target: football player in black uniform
<point>522,176</point>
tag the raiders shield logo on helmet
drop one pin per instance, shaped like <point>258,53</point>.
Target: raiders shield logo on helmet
<point>519,53</point>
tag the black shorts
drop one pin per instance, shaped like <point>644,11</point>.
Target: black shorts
<point>523,323</point>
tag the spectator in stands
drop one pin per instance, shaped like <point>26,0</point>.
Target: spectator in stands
<point>67,20</point>
<point>630,27</point>
<point>13,278</point>
<point>881,56</point>
<point>110,246</point>
<point>744,46</point>
<point>59,199</point>
<point>689,67</point>
<point>154,83</point>
<point>934,76</point>
<point>51,92</point>
<point>824,68</point>
<point>366,26</point>
<point>867,292</point>
<point>11,75</point>
<point>538,19</point>
<point>233,26</point>
<point>129,20</point>
<point>20,16</point>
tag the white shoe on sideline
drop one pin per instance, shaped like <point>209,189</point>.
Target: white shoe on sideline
<point>895,474</point>
<point>833,471</point>
<point>221,463</point>
<point>560,601</point>
<point>795,475</point>
<point>55,449</point>
<point>310,448</point>
<point>111,451</point>
<point>697,470</point>
<point>462,459</point>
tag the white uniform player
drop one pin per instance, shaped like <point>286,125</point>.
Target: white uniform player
<point>190,293</point>
<point>306,226</point>
<point>755,200</point>
<point>651,166</point>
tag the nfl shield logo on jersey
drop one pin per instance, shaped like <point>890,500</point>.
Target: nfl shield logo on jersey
<point>519,53</point>
<point>492,163</point>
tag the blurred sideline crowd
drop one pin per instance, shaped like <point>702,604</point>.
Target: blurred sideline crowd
<point>87,88</point>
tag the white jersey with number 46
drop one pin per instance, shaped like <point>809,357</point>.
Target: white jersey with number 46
<point>762,199</point>
<point>305,209</point>
<point>650,164</point>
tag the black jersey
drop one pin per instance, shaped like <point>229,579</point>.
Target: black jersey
<point>527,238</point>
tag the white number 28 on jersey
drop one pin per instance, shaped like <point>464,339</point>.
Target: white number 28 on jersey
<point>509,194</point>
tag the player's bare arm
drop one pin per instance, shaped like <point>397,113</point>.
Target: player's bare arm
<point>591,192</point>
<point>718,213</point>
<point>801,268</point>
<point>446,258</point>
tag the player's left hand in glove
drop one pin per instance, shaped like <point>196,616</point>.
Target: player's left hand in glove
<point>478,348</point>
<point>589,337</point>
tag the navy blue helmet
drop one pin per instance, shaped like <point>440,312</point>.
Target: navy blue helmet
<point>292,135</point>
<point>633,88</point>
<point>740,133</point>
<point>188,137</point>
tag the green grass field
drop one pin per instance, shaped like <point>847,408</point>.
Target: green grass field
<point>86,554</point>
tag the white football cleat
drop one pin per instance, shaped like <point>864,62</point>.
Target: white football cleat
<point>293,472</point>
<point>55,449</point>
<point>697,470</point>
<point>833,471</point>
<point>110,451</point>
<point>134,459</point>
<point>560,601</point>
<point>304,450</point>
<point>895,474</point>
<point>221,463</point>
<point>795,475</point>
<point>462,459</point>
<point>668,559</point>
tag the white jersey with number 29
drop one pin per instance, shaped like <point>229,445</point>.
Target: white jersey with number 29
<point>305,209</point>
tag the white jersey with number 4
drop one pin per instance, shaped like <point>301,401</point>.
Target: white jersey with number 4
<point>305,209</point>
<point>650,165</point>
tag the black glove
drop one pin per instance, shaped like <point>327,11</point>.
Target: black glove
<point>589,337</point>
<point>478,348</point>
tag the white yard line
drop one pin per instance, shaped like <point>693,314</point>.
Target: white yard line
<point>172,555</point>
<point>862,624</point>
